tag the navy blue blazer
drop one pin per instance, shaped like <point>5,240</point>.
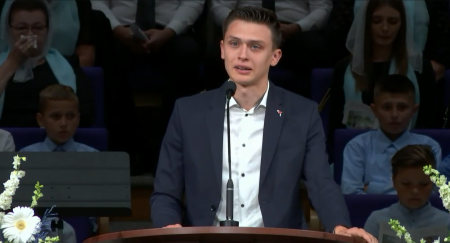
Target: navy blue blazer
<point>293,150</point>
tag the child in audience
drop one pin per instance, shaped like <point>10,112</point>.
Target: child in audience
<point>6,142</point>
<point>414,188</point>
<point>59,115</point>
<point>367,157</point>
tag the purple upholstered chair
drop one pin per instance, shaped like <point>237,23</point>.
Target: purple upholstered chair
<point>95,75</point>
<point>361,206</point>
<point>343,136</point>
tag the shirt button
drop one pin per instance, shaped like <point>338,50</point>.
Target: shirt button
<point>243,175</point>
<point>213,208</point>
<point>243,145</point>
<point>246,115</point>
<point>242,205</point>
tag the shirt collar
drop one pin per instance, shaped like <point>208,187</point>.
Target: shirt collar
<point>421,210</point>
<point>384,142</point>
<point>261,102</point>
<point>51,146</point>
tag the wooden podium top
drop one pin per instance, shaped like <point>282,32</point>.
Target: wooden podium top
<point>221,234</point>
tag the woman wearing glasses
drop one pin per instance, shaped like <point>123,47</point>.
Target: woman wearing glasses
<point>29,65</point>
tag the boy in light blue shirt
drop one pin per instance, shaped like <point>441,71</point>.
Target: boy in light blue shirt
<point>366,162</point>
<point>60,116</point>
<point>413,209</point>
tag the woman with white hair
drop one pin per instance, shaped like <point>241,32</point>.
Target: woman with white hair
<point>29,65</point>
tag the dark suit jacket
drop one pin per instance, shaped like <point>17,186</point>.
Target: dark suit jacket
<point>293,150</point>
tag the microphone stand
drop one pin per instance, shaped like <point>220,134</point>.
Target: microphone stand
<point>229,222</point>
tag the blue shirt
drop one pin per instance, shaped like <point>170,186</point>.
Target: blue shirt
<point>444,167</point>
<point>48,146</point>
<point>69,146</point>
<point>367,161</point>
<point>436,220</point>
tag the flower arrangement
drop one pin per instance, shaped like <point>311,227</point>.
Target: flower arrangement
<point>444,193</point>
<point>21,225</point>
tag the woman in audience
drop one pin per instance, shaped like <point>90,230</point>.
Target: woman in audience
<point>429,17</point>
<point>381,44</point>
<point>71,29</point>
<point>29,65</point>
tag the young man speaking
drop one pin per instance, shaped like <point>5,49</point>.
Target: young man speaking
<point>277,140</point>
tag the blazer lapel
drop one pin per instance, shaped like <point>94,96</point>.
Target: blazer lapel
<point>215,121</point>
<point>273,124</point>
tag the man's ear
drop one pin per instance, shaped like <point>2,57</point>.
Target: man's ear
<point>276,57</point>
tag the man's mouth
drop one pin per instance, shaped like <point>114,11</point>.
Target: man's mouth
<point>245,68</point>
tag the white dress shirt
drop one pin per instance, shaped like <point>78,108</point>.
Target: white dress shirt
<point>309,14</point>
<point>246,136</point>
<point>178,15</point>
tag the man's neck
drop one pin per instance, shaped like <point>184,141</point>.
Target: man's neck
<point>382,53</point>
<point>247,97</point>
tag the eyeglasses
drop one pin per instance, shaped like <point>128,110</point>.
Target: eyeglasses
<point>34,29</point>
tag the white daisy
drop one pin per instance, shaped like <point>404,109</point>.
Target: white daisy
<point>20,225</point>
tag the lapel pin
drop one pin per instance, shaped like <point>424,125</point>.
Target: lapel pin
<point>279,112</point>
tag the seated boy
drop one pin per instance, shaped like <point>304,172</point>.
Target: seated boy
<point>366,162</point>
<point>413,211</point>
<point>59,115</point>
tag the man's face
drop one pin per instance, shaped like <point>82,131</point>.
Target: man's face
<point>60,120</point>
<point>413,187</point>
<point>247,49</point>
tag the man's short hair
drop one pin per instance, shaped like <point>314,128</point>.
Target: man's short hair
<point>412,156</point>
<point>256,15</point>
<point>56,92</point>
<point>395,84</point>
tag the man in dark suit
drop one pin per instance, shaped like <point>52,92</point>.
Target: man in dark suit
<point>267,172</point>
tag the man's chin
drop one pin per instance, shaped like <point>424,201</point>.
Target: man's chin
<point>242,81</point>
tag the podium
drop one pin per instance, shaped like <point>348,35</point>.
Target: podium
<point>222,235</point>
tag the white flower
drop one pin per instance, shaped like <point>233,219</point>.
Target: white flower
<point>20,174</point>
<point>408,237</point>
<point>5,202</point>
<point>438,240</point>
<point>20,225</point>
<point>16,162</point>
<point>10,192</point>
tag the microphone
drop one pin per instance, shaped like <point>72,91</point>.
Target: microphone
<point>230,89</point>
